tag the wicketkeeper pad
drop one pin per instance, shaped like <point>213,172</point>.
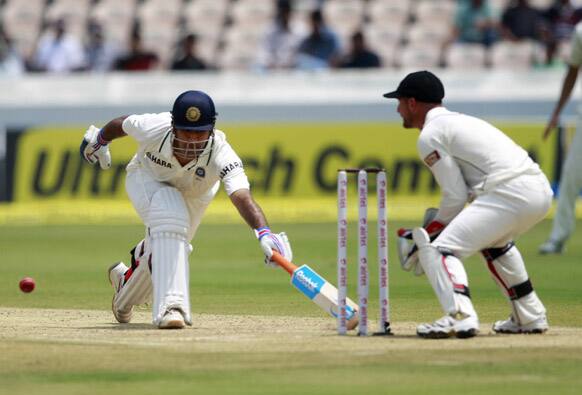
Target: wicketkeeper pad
<point>446,275</point>
<point>508,270</point>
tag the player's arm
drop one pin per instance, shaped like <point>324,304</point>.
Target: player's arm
<point>449,177</point>
<point>253,215</point>
<point>95,145</point>
<point>236,184</point>
<point>114,129</point>
<point>248,209</point>
<point>565,93</point>
<point>569,81</point>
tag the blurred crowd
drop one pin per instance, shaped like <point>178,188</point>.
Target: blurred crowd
<point>286,44</point>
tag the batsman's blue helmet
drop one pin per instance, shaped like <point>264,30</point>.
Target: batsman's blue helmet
<point>195,111</point>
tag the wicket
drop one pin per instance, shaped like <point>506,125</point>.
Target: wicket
<point>363,273</point>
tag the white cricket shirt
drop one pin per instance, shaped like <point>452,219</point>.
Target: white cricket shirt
<point>468,157</point>
<point>219,162</point>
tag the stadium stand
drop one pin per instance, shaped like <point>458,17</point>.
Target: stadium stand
<point>405,33</point>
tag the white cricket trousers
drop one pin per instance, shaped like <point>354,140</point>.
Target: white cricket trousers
<point>171,218</point>
<point>570,185</point>
<point>141,187</point>
<point>498,216</point>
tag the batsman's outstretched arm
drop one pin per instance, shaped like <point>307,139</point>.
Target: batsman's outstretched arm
<point>254,216</point>
<point>248,208</point>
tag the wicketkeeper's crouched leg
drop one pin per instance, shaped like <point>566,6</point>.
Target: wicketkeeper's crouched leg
<point>507,268</point>
<point>446,274</point>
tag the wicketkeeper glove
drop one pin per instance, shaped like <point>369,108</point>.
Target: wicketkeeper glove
<point>407,250</point>
<point>94,148</point>
<point>274,241</point>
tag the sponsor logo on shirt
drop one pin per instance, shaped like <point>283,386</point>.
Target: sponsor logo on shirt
<point>158,161</point>
<point>432,158</point>
<point>230,167</point>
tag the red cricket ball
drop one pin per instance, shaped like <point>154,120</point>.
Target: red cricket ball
<point>27,284</point>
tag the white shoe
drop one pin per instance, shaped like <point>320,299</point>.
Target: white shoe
<point>448,326</point>
<point>551,247</point>
<point>116,276</point>
<point>510,326</point>
<point>172,319</point>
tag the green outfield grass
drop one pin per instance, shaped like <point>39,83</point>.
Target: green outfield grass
<point>228,278</point>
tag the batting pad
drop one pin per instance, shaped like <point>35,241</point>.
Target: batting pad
<point>168,223</point>
<point>170,275</point>
<point>138,288</point>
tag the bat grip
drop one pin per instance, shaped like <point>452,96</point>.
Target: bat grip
<point>284,263</point>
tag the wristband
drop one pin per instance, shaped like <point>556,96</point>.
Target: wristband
<point>101,140</point>
<point>262,232</point>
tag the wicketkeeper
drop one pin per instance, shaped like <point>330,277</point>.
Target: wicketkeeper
<point>476,163</point>
<point>180,161</point>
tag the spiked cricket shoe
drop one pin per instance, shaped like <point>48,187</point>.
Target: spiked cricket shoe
<point>510,326</point>
<point>449,326</point>
<point>116,277</point>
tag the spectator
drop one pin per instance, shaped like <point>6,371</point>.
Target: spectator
<point>320,48</point>
<point>560,18</point>
<point>10,61</point>
<point>100,54</point>
<point>360,56</point>
<point>137,59</point>
<point>188,59</point>
<point>281,40</point>
<point>474,23</point>
<point>521,21</point>
<point>59,52</point>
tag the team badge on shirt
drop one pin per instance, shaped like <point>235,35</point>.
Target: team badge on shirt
<point>200,172</point>
<point>432,158</point>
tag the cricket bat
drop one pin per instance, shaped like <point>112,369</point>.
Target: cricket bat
<point>316,288</point>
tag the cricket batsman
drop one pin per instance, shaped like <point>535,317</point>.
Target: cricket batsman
<point>180,161</point>
<point>473,162</point>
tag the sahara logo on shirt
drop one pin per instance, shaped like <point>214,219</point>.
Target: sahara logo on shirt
<point>158,161</point>
<point>228,168</point>
<point>432,158</point>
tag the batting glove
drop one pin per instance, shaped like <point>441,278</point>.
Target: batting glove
<point>94,148</point>
<point>274,241</point>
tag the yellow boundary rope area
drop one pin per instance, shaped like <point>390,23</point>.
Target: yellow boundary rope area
<point>221,211</point>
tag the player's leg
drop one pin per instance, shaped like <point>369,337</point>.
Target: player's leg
<point>133,285</point>
<point>196,208</point>
<point>570,185</point>
<point>490,224</point>
<point>169,223</point>
<point>507,268</point>
<point>448,278</point>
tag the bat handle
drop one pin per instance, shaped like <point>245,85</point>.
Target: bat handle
<point>284,263</point>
